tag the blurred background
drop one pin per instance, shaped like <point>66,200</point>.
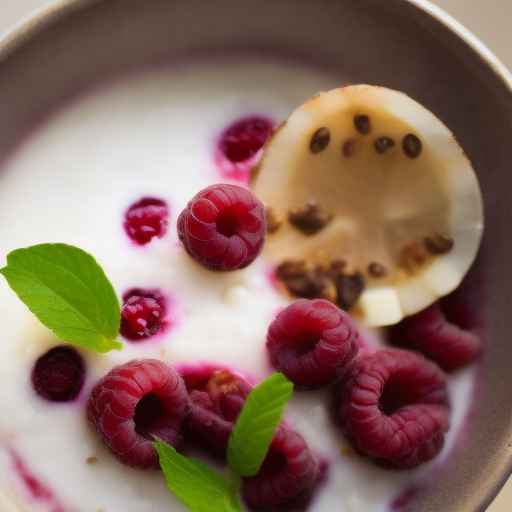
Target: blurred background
<point>490,20</point>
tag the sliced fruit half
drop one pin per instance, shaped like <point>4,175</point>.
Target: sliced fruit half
<point>370,192</point>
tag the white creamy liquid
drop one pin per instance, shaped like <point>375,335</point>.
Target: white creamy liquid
<point>154,135</point>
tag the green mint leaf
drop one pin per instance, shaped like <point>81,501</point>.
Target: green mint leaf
<point>68,292</point>
<point>257,423</point>
<point>198,487</point>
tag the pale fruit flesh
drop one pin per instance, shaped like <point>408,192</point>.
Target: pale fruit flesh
<point>382,204</point>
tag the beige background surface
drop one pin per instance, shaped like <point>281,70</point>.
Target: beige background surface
<point>488,19</point>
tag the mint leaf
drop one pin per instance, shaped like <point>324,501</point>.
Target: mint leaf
<point>198,487</point>
<point>257,423</point>
<point>68,292</point>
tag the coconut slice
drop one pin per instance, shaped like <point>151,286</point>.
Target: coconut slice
<point>368,190</point>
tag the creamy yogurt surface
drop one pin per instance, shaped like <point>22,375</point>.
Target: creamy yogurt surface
<point>154,134</point>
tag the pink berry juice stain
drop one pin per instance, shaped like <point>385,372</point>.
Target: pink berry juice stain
<point>34,488</point>
<point>239,147</point>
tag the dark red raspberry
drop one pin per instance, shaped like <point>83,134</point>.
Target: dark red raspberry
<point>143,313</point>
<point>393,406</point>
<point>216,396</point>
<point>133,404</point>
<point>311,341</point>
<point>439,332</point>
<point>223,227</point>
<point>146,219</point>
<point>289,473</point>
<point>245,137</point>
<point>59,374</point>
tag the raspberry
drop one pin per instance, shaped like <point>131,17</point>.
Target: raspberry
<point>288,475</point>
<point>393,406</point>
<point>439,333</point>
<point>146,219</point>
<point>311,341</point>
<point>245,137</point>
<point>223,227</point>
<point>143,313</point>
<point>59,374</point>
<point>217,397</point>
<point>133,404</point>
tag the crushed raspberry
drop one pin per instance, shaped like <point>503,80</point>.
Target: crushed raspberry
<point>217,396</point>
<point>146,219</point>
<point>223,227</point>
<point>143,313</point>
<point>245,137</point>
<point>59,374</point>
<point>441,333</point>
<point>287,477</point>
<point>311,341</point>
<point>133,404</point>
<point>239,147</point>
<point>393,406</point>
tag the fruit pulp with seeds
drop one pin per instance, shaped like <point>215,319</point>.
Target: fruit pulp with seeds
<point>223,318</point>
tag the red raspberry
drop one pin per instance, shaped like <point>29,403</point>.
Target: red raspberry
<point>245,137</point>
<point>223,227</point>
<point>133,404</point>
<point>59,374</point>
<point>289,473</point>
<point>146,219</point>
<point>438,332</point>
<point>311,341</point>
<point>393,406</point>
<point>217,397</point>
<point>142,314</point>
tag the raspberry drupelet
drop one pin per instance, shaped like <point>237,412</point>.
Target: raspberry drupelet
<point>223,227</point>
<point>311,341</point>
<point>135,403</point>
<point>393,406</point>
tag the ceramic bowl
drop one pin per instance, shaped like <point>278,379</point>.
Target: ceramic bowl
<point>402,44</point>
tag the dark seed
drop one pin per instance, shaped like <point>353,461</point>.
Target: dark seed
<point>320,140</point>
<point>309,219</point>
<point>439,244</point>
<point>362,124</point>
<point>412,146</point>
<point>91,460</point>
<point>349,148</point>
<point>274,222</point>
<point>377,270</point>
<point>303,281</point>
<point>413,255</point>
<point>291,268</point>
<point>349,289</point>
<point>383,144</point>
<point>338,266</point>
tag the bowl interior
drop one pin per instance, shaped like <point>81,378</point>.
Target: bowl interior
<point>392,43</point>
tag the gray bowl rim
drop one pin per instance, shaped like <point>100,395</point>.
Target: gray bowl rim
<point>47,16</point>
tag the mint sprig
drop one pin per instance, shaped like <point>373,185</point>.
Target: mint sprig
<point>196,485</point>
<point>68,292</point>
<point>257,423</point>
<point>202,489</point>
